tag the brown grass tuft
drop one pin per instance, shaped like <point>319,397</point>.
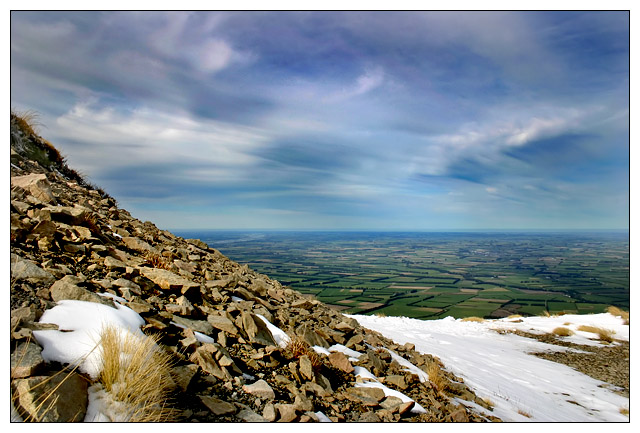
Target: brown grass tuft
<point>298,347</point>
<point>523,413</point>
<point>603,334</point>
<point>136,372</point>
<point>618,312</point>
<point>25,120</point>
<point>624,411</point>
<point>436,377</point>
<point>473,319</point>
<point>157,261</point>
<point>561,331</point>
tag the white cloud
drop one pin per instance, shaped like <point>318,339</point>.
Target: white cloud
<point>485,142</point>
<point>369,80</point>
<point>145,136</point>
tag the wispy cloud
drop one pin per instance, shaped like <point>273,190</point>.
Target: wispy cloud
<point>369,80</point>
<point>338,119</point>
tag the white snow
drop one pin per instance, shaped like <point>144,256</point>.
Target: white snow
<point>322,417</point>
<point>279,335</point>
<point>501,368</point>
<point>352,354</point>
<point>79,326</point>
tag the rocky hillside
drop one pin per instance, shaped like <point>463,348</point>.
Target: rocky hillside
<point>70,240</point>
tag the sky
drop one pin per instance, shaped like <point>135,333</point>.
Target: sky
<point>338,120</point>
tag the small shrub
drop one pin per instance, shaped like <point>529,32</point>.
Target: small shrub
<point>561,331</point>
<point>603,334</point>
<point>618,312</point>
<point>25,121</point>
<point>137,374</point>
<point>157,261</point>
<point>436,377</point>
<point>298,348</point>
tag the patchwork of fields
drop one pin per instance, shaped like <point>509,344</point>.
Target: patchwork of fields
<point>434,275</point>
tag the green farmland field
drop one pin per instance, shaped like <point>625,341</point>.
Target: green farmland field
<point>434,275</point>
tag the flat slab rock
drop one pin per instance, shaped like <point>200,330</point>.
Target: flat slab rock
<point>167,280</point>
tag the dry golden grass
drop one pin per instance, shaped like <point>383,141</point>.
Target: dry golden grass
<point>136,372</point>
<point>561,331</point>
<point>618,312</point>
<point>473,319</point>
<point>436,377</point>
<point>488,402</point>
<point>523,413</point>
<point>603,334</point>
<point>514,316</point>
<point>157,261</point>
<point>25,120</point>
<point>624,411</point>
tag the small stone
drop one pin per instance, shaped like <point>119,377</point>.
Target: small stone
<point>22,269</point>
<point>288,412</point>
<point>67,288</point>
<point>167,280</point>
<point>390,402</point>
<point>248,415</point>
<point>459,415</point>
<point>59,398</point>
<point>306,368</point>
<point>260,389</point>
<point>138,245</point>
<point>217,406</point>
<point>114,264</point>
<point>376,394</point>
<point>269,412</point>
<point>396,380</point>
<point>26,360</point>
<point>37,184</point>
<point>197,325</point>
<point>406,407</point>
<point>183,375</point>
<point>340,361</point>
<point>369,417</point>
<point>222,323</point>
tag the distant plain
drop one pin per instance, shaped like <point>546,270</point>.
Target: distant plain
<point>433,275</point>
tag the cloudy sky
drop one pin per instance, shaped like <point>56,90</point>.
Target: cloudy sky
<point>338,120</point>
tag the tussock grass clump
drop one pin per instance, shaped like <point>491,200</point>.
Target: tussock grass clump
<point>473,319</point>
<point>561,331</point>
<point>603,334</point>
<point>618,312</point>
<point>136,374</point>
<point>436,377</point>
<point>157,261</point>
<point>298,348</point>
<point>25,120</point>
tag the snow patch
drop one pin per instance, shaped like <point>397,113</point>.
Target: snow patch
<point>79,326</point>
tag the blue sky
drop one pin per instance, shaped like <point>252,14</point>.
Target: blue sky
<point>338,120</point>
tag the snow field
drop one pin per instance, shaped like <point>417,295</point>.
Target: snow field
<point>500,368</point>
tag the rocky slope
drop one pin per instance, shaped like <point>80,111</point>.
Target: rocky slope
<point>72,241</point>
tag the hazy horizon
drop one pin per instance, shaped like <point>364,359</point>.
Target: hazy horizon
<point>415,121</point>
